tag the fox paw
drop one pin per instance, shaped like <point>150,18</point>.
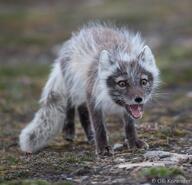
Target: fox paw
<point>137,144</point>
<point>90,139</point>
<point>105,151</point>
<point>68,134</point>
<point>141,144</point>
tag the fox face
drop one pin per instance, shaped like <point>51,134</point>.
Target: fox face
<point>131,81</point>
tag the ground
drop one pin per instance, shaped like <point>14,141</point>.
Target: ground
<point>30,34</point>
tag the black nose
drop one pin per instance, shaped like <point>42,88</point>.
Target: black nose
<point>138,99</point>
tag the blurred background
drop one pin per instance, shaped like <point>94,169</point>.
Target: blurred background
<point>31,31</point>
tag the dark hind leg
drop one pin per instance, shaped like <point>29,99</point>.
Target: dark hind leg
<point>85,122</point>
<point>69,124</point>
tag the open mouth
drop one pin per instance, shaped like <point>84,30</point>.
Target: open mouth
<point>136,110</point>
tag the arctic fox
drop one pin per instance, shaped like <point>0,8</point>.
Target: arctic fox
<point>100,70</point>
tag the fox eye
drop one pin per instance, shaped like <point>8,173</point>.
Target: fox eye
<point>122,84</point>
<point>144,82</point>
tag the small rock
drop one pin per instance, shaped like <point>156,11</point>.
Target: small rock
<point>84,180</point>
<point>189,151</point>
<point>117,146</point>
<point>167,157</point>
<point>118,181</point>
<point>189,94</point>
<point>119,160</point>
<point>141,164</point>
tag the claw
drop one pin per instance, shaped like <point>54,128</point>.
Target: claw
<point>137,144</point>
<point>106,151</point>
<point>141,144</point>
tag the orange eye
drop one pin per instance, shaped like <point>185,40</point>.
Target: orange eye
<point>144,82</point>
<point>122,84</point>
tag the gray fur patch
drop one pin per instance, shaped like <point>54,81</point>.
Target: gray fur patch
<point>131,73</point>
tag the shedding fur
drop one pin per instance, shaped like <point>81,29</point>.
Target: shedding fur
<point>48,121</point>
<point>83,65</point>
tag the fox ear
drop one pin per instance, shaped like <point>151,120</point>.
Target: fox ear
<point>104,60</point>
<point>146,56</point>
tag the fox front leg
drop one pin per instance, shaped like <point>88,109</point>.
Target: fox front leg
<point>131,135</point>
<point>69,123</point>
<point>85,122</point>
<point>96,116</point>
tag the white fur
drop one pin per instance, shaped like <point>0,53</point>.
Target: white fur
<point>55,83</point>
<point>148,61</point>
<point>46,124</point>
<point>104,61</point>
<point>82,49</point>
<point>49,120</point>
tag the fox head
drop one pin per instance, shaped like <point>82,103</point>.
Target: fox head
<point>129,80</point>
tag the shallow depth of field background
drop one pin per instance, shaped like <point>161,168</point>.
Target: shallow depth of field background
<point>31,33</point>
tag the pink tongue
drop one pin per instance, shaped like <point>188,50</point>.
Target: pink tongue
<point>136,110</point>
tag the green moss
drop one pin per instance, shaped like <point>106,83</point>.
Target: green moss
<point>161,172</point>
<point>73,158</point>
<point>179,132</point>
<point>26,182</point>
<point>163,133</point>
<point>11,160</point>
<point>64,183</point>
<point>34,182</point>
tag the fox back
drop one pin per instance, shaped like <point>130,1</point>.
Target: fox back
<point>97,56</point>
